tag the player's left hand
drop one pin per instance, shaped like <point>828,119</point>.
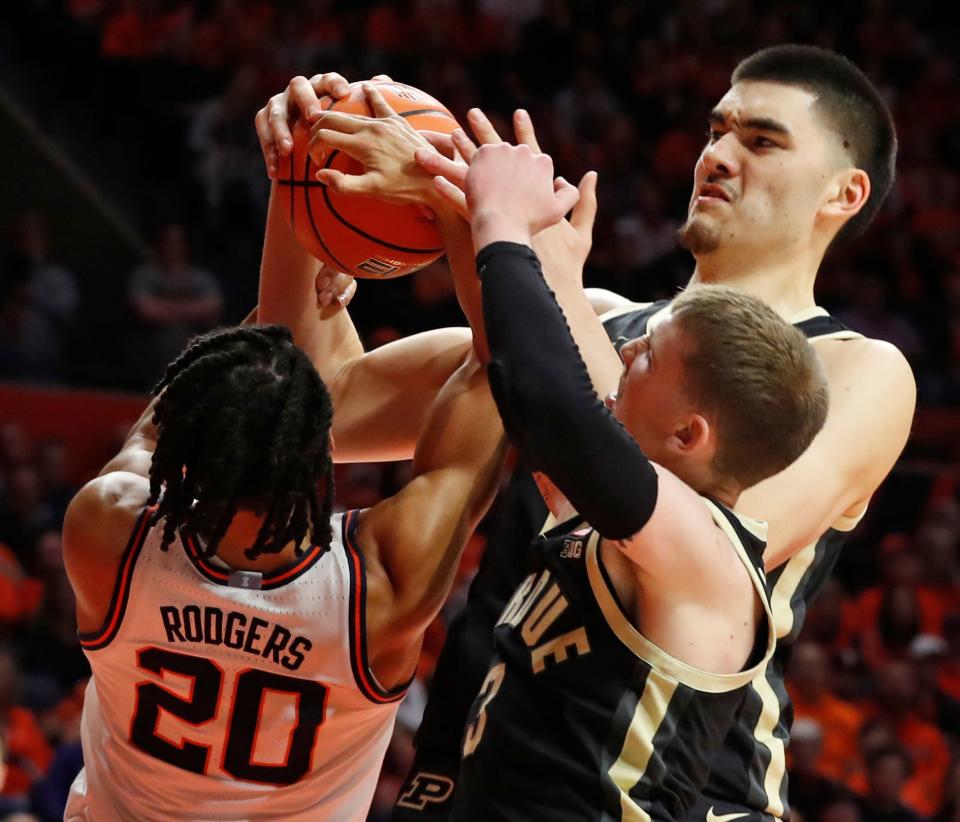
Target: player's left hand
<point>334,287</point>
<point>563,247</point>
<point>512,193</point>
<point>385,144</point>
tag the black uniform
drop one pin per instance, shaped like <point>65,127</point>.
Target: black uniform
<point>751,763</point>
<point>580,717</point>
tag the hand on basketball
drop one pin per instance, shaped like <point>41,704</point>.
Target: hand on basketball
<point>512,193</point>
<point>384,144</point>
<point>300,99</point>
<point>334,287</point>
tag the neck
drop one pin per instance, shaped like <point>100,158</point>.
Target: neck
<point>241,534</point>
<point>784,281</point>
<point>702,480</point>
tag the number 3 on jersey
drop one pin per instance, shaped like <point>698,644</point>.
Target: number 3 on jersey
<point>488,691</point>
<point>203,706</point>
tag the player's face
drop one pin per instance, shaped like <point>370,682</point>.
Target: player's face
<point>764,172</point>
<point>650,399</point>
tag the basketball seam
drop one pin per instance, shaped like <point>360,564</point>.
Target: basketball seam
<point>360,231</point>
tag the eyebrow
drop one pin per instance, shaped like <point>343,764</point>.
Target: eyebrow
<point>756,123</point>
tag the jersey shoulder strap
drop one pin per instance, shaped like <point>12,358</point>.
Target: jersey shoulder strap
<point>817,324</point>
<point>630,321</point>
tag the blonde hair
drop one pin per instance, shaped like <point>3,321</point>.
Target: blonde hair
<point>757,377</point>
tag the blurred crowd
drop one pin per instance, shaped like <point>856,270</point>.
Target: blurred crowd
<point>169,89</point>
<point>620,87</point>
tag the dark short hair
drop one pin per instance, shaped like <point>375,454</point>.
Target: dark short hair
<point>849,104</point>
<point>756,375</point>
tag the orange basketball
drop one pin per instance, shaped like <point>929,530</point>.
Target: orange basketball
<point>361,236</point>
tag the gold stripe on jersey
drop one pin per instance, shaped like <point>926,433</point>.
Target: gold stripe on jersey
<point>769,716</point>
<point>845,523</point>
<point>637,748</point>
<point>763,732</point>
<point>655,656</point>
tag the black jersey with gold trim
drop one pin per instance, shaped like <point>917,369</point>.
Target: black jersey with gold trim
<point>580,717</point>
<point>751,762</point>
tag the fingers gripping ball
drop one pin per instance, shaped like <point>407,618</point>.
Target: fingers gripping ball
<point>361,236</point>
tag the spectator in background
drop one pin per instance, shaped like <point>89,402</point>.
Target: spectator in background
<point>23,513</point>
<point>173,299</point>
<point>839,721</point>
<point>937,547</point>
<point>809,789</point>
<point>871,313</point>
<point>52,462</point>
<point>27,754</point>
<point>895,703</point>
<point>38,306</point>
<point>933,704</point>
<point>887,772</point>
<point>843,809</point>
<point>951,792</point>
<point>228,158</point>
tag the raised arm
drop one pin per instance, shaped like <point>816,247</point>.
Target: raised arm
<point>382,397</point>
<point>412,541</point>
<point>872,399</point>
<point>539,374</point>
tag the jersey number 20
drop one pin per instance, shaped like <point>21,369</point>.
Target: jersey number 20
<point>203,706</point>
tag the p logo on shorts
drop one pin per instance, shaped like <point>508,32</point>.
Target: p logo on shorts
<point>426,788</point>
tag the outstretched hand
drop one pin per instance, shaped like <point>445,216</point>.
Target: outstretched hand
<point>384,144</point>
<point>300,100</point>
<point>562,247</point>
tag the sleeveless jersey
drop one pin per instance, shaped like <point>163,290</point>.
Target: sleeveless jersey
<point>580,716</point>
<point>750,767</point>
<point>232,695</point>
<point>749,773</point>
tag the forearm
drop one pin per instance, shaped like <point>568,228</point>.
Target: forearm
<point>458,243</point>
<point>548,403</point>
<point>288,296</point>
<point>601,359</point>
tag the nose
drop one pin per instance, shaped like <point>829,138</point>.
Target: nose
<point>719,158</point>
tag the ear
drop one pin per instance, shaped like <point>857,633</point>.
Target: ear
<point>692,437</point>
<point>847,194</point>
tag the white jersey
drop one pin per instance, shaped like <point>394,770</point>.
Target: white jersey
<point>219,695</point>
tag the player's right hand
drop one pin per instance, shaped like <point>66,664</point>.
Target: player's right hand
<point>300,99</point>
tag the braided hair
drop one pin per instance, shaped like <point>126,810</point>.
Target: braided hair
<point>243,420</point>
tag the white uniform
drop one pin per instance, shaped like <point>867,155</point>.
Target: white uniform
<point>221,696</point>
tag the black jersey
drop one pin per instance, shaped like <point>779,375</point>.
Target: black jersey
<point>751,765</point>
<point>580,717</point>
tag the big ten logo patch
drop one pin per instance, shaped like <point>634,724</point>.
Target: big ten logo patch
<point>426,789</point>
<point>572,548</point>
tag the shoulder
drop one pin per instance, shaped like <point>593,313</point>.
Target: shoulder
<point>874,357</point>
<point>101,515</point>
<point>872,375</point>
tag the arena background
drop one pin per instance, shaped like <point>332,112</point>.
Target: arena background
<point>126,132</point>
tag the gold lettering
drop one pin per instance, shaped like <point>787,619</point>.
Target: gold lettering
<point>560,648</point>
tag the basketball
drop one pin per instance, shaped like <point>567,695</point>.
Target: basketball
<point>361,236</point>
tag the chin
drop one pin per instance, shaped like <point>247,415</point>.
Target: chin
<point>698,236</point>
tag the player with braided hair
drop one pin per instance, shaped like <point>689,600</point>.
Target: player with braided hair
<point>266,371</point>
<point>248,648</point>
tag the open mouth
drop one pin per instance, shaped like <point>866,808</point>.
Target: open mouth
<point>713,191</point>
